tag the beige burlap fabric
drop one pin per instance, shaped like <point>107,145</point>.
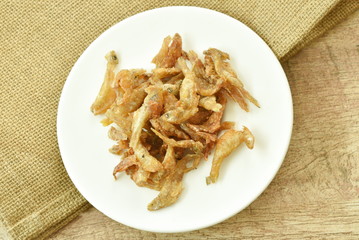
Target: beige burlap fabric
<point>39,43</point>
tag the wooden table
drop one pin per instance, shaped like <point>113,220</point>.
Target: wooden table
<point>315,194</point>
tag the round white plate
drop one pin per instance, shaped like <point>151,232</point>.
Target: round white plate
<point>245,174</point>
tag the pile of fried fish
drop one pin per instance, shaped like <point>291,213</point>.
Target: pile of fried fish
<point>166,121</point>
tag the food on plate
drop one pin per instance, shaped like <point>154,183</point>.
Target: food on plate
<point>107,94</point>
<point>226,144</point>
<point>167,120</point>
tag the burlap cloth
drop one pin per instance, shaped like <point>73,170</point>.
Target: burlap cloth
<point>41,40</point>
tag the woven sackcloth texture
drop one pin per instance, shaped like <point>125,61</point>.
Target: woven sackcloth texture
<point>39,43</point>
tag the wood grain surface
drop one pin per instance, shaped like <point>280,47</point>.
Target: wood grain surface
<point>315,194</point>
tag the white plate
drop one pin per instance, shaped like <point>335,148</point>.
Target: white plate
<point>245,174</point>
